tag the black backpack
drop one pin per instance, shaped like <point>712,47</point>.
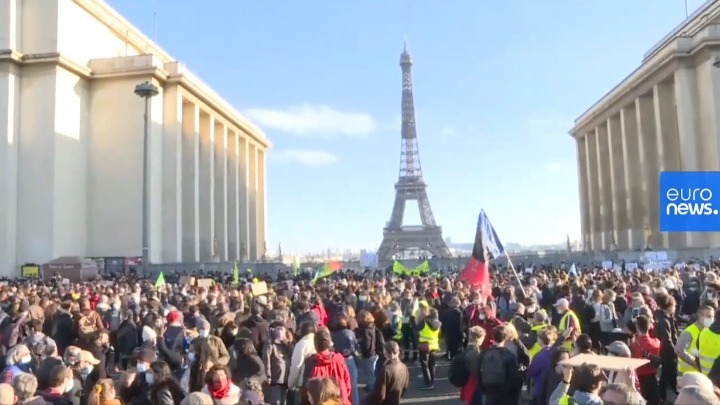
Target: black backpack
<point>492,368</point>
<point>458,373</point>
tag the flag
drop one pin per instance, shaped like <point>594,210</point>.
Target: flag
<point>160,280</point>
<point>573,270</point>
<point>487,247</point>
<point>326,270</point>
<point>423,268</point>
<point>236,274</point>
<point>399,268</point>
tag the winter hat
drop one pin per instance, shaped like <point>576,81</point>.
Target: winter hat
<point>148,333</point>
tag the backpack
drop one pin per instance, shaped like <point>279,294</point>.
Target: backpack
<point>458,373</point>
<point>87,324</point>
<point>492,368</point>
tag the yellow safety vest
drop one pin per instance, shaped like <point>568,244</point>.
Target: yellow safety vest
<point>709,349</point>
<point>535,349</point>
<point>692,351</point>
<point>431,337</point>
<point>564,324</point>
<point>565,400</point>
<point>398,333</point>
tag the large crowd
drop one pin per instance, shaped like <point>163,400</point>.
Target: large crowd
<point>349,338</point>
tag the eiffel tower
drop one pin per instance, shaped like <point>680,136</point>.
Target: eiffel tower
<point>410,187</point>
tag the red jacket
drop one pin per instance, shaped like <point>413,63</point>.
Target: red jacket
<point>489,324</point>
<point>331,365</point>
<point>640,348</point>
<point>321,314</point>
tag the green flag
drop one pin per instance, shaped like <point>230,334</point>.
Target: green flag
<point>236,274</point>
<point>160,280</point>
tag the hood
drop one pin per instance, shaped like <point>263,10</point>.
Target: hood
<point>584,398</point>
<point>715,327</point>
<point>325,359</point>
<point>433,324</point>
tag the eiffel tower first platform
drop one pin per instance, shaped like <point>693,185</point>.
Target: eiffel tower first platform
<point>410,187</point>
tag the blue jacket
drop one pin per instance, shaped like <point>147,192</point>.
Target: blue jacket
<point>539,366</point>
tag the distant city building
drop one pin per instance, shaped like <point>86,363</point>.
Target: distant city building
<point>662,117</point>
<point>71,170</point>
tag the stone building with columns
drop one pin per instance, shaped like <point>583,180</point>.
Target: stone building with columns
<point>71,155</point>
<point>665,116</point>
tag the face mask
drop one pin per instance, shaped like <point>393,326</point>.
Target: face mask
<point>150,378</point>
<point>141,367</point>
<point>204,333</point>
<point>26,359</point>
<point>192,356</point>
<point>481,317</point>
<point>86,371</point>
<point>707,322</point>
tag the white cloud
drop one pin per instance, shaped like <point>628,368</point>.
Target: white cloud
<point>314,121</point>
<point>313,158</point>
<point>553,167</point>
<point>447,131</point>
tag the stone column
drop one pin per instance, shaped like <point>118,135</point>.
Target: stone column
<point>649,162</point>
<point>255,244</point>
<point>666,126</point>
<point>220,192</point>
<point>172,175</point>
<point>207,186</point>
<point>606,187</point>
<point>619,190</point>
<point>9,132</point>
<point>709,110</point>
<point>244,196</point>
<point>585,222</point>
<point>686,98</point>
<point>592,173</point>
<point>262,201</point>
<point>633,182</point>
<point>232,194</point>
<point>190,182</point>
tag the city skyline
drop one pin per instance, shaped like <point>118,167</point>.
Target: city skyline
<point>486,104</point>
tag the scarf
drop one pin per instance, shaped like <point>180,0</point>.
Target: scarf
<point>220,389</point>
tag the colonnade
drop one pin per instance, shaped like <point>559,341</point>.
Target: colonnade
<point>671,126</point>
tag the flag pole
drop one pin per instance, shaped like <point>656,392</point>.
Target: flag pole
<point>515,273</point>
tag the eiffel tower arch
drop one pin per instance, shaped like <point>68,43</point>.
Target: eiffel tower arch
<point>410,187</point>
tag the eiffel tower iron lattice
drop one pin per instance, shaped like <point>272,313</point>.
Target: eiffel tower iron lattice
<point>410,187</point>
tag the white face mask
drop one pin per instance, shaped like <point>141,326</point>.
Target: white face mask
<point>192,356</point>
<point>481,317</point>
<point>204,333</point>
<point>707,322</point>
<point>141,367</point>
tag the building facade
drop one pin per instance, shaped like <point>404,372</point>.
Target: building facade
<point>71,157</point>
<point>665,116</point>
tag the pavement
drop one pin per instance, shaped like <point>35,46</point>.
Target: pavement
<point>443,394</point>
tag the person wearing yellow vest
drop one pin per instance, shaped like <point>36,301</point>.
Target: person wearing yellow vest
<point>429,338</point>
<point>569,321</point>
<point>709,345</point>
<point>686,347</point>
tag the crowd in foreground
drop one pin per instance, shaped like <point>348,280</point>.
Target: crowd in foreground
<point>348,339</point>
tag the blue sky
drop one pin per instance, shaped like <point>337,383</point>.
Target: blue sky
<point>497,86</point>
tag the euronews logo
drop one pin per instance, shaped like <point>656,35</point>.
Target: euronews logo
<point>693,201</point>
<point>689,201</point>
